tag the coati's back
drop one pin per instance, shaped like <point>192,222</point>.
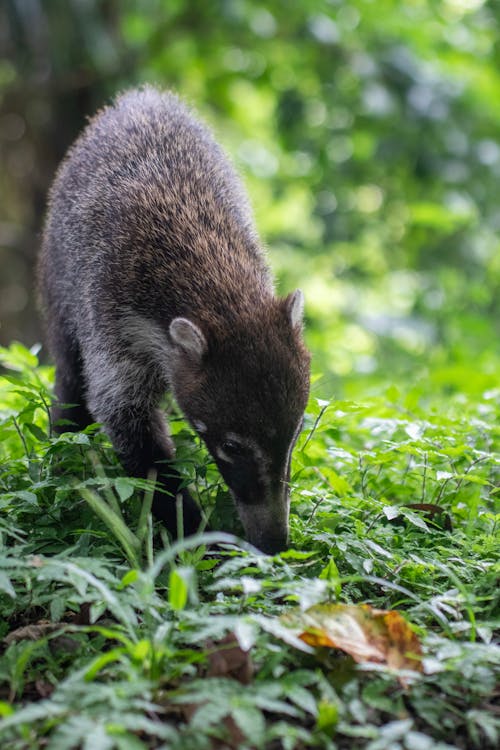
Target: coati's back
<point>152,277</point>
<point>148,191</point>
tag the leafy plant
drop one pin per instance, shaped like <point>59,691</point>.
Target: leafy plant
<point>112,641</point>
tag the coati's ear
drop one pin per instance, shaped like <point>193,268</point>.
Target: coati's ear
<point>188,337</point>
<point>294,305</point>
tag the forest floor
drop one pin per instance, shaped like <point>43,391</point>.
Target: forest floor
<point>375,630</point>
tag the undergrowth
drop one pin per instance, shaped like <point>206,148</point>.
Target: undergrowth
<point>115,638</point>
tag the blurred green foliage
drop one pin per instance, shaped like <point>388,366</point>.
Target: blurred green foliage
<point>367,132</point>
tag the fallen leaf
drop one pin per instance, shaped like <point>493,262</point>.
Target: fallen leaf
<point>368,635</point>
<point>234,736</point>
<point>32,632</point>
<point>44,688</point>
<point>43,629</point>
<point>227,659</point>
<point>434,512</point>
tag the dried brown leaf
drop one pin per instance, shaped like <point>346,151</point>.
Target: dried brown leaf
<point>368,635</point>
<point>32,632</point>
<point>227,659</point>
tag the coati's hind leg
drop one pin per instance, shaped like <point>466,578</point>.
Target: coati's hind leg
<point>69,412</point>
<point>139,434</point>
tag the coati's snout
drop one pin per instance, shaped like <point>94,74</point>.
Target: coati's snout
<point>260,488</point>
<point>266,522</point>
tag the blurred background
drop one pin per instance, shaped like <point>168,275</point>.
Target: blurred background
<point>368,135</point>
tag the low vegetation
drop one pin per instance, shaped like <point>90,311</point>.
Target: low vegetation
<point>115,638</point>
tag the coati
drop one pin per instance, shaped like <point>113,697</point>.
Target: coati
<point>151,277</point>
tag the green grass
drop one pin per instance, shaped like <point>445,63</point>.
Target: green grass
<point>113,638</point>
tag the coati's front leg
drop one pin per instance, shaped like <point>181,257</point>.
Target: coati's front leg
<point>139,435</point>
<point>144,445</point>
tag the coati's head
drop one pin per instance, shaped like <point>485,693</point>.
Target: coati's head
<point>244,391</point>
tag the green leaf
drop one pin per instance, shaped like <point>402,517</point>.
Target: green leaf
<point>331,573</point>
<point>102,661</point>
<point>98,739</point>
<point>6,585</point>
<point>328,715</point>
<point>36,431</point>
<point>251,722</point>
<point>127,539</point>
<point>177,589</point>
<point>17,357</point>
<point>414,519</point>
<point>130,577</point>
<point>28,497</point>
<point>124,487</point>
<point>6,709</point>
<point>57,608</point>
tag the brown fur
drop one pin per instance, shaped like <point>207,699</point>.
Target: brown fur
<point>148,224</point>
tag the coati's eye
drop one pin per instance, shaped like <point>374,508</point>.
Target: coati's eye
<point>232,449</point>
